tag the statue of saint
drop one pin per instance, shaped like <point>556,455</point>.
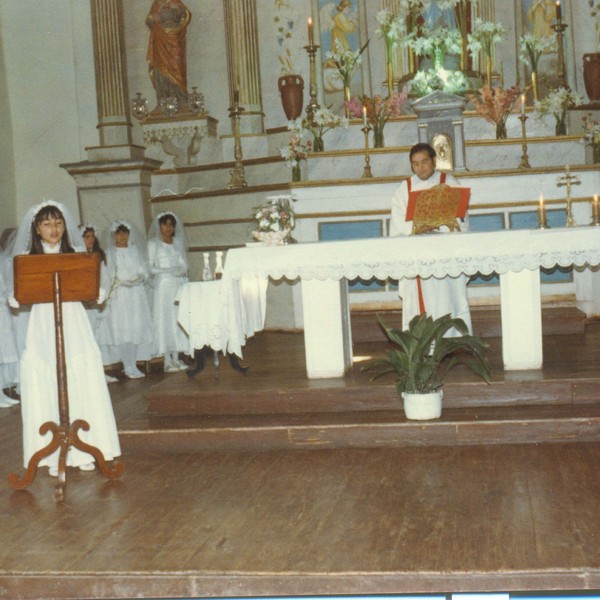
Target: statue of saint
<point>168,21</point>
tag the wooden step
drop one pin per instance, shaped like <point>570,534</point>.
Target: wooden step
<point>486,322</point>
<point>180,397</point>
<point>369,429</point>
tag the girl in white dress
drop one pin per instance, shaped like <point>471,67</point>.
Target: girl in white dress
<point>98,313</point>
<point>167,253</point>
<point>9,355</point>
<point>129,314</point>
<point>48,228</point>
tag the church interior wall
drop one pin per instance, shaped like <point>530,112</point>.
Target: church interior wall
<point>50,87</point>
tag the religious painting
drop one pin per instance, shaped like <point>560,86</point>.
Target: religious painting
<point>538,17</point>
<point>339,25</point>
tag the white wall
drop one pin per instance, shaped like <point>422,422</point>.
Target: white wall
<point>51,99</point>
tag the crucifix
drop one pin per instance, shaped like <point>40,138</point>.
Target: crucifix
<point>568,180</point>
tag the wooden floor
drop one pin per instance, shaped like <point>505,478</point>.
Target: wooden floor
<point>294,521</point>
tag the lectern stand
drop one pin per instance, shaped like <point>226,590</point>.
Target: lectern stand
<point>59,278</point>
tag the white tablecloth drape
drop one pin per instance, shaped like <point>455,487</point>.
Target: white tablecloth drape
<point>220,315</point>
<point>425,255</point>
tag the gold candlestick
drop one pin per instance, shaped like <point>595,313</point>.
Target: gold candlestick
<point>542,221</point>
<point>238,179</point>
<point>524,164</point>
<point>313,105</point>
<point>559,29</point>
<point>595,211</point>
<point>367,170</point>
<point>568,180</point>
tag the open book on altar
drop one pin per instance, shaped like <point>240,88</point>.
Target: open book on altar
<point>437,206</point>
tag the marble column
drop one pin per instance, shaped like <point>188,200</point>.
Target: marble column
<point>243,64</point>
<point>115,181</point>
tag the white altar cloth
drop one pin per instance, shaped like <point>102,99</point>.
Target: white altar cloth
<point>516,255</point>
<point>222,318</point>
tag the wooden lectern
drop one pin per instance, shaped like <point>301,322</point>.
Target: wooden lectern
<point>59,278</point>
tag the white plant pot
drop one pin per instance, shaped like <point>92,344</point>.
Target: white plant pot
<point>422,407</point>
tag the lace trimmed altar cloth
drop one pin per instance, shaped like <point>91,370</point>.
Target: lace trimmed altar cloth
<point>323,267</point>
<point>426,255</point>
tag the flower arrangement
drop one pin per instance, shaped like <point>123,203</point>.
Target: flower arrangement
<point>295,151</point>
<point>346,61</point>
<point>531,48</point>
<point>495,104</point>
<point>425,82</point>
<point>378,111</point>
<point>435,44</point>
<point>391,26</point>
<point>556,103</point>
<point>273,220</point>
<point>483,37</point>
<point>323,120</point>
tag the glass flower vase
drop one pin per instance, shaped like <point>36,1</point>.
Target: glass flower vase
<point>561,124</point>
<point>501,130</point>
<point>318,144</point>
<point>378,140</point>
<point>296,173</point>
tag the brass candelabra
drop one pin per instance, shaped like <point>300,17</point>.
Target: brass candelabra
<point>524,164</point>
<point>559,28</point>
<point>367,170</point>
<point>542,220</point>
<point>313,105</point>
<point>595,211</point>
<point>237,179</point>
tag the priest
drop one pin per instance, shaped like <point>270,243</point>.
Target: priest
<point>430,203</point>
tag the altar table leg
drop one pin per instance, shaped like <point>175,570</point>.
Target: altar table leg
<point>327,336</point>
<point>521,310</point>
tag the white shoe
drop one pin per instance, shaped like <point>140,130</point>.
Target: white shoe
<point>88,467</point>
<point>6,401</point>
<point>53,471</point>
<point>110,379</point>
<point>171,368</point>
<point>181,366</point>
<point>134,373</point>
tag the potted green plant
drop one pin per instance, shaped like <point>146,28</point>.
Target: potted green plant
<point>423,357</point>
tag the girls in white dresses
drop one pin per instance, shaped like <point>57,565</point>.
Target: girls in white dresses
<point>49,228</point>
<point>98,313</point>
<point>129,314</point>
<point>167,254</point>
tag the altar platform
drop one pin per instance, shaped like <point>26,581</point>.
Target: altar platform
<point>475,510</point>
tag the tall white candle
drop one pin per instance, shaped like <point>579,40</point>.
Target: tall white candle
<point>523,104</point>
<point>365,116</point>
<point>311,35</point>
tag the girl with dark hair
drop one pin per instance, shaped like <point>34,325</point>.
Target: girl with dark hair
<point>167,253</point>
<point>49,228</point>
<point>129,314</point>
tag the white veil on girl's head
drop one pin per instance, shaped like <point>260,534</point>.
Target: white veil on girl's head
<point>136,241</point>
<point>24,238</point>
<point>179,237</point>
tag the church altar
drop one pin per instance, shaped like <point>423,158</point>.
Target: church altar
<point>324,268</point>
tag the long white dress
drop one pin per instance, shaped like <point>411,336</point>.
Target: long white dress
<point>168,266</point>
<point>87,390</point>
<point>129,315</point>
<point>441,296</point>
<point>9,353</point>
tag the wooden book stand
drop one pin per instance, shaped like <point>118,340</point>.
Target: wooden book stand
<point>59,278</point>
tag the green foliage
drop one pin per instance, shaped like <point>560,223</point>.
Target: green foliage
<point>424,355</point>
